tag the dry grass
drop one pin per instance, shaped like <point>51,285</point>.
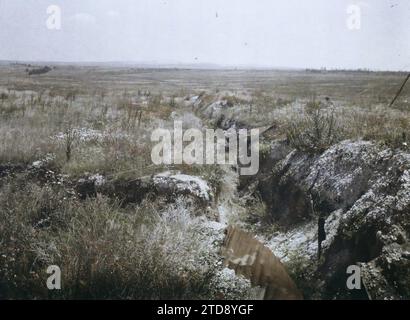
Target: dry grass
<point>82,136</point>
<point>103,251</point>
<point>315,130</point>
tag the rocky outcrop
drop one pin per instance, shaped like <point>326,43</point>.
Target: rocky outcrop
<point>177,183</point>
<point>374,233</point>
<point>170,184</point>
<point>360,193</point>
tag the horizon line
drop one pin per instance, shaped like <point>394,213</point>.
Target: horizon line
<point>193,66</point>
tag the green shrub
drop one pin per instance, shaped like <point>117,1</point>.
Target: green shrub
<point>315,131</point>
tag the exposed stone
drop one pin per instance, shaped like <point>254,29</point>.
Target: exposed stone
<point>177,183</point>
<point>363,193</point>
<point>134,190</point>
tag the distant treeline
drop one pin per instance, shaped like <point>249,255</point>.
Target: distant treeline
<point>37,71</point>
<point>325,70</point>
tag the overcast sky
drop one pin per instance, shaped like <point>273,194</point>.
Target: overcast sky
<point>271,33</point>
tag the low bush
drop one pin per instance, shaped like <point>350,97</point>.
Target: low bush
<point>314,132</point>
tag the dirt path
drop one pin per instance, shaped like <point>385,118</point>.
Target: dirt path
<point>228,206</point>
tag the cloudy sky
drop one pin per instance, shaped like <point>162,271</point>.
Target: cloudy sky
<point>260,33</point>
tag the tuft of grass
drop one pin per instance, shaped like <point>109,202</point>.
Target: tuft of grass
<point>316,131</point>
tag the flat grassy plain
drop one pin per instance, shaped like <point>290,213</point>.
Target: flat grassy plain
<point>106,98</point>
<point>346,86</point>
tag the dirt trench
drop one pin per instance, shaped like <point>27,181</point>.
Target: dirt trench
<point>246,255</point>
